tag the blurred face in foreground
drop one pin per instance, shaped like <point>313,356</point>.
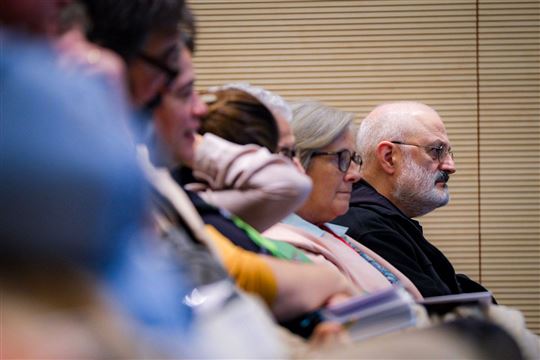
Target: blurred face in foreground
<point>32,16</point>
<point>156,67</point>
<point>179,115</point>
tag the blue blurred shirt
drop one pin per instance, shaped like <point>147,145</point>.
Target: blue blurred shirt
<point>71,190</point>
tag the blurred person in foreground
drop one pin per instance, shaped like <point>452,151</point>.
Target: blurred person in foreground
<point>76,262</point>
<point>179,222</point>
<point>148,35</point>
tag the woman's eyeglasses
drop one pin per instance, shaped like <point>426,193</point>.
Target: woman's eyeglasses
<point>345,157</point>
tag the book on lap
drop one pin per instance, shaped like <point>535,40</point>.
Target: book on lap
<point>393,309</point>
<point>447,303</point>
<point>374,314</point>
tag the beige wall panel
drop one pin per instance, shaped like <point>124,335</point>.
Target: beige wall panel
<point>509,69</point>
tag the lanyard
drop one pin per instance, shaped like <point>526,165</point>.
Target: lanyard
<point>328,230</point>
<point>382,269</point>
<point>279,249</point>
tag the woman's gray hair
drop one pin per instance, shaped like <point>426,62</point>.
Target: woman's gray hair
<point>315,126</point>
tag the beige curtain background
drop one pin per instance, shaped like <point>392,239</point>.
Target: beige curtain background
<point>476,61</point>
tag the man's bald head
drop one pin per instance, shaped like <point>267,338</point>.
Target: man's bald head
<point>393,121</point>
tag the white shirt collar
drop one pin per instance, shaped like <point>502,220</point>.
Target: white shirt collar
<point>295,220</point>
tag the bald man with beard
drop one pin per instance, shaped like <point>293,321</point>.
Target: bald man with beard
<point>407,162</point>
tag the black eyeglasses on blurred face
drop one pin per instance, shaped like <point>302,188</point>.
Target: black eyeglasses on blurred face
<point>438,153</point>
<point>290,153</point>
<point>161,66</point>
<point>345,157</point>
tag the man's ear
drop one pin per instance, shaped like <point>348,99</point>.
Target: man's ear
<point>385,154</point>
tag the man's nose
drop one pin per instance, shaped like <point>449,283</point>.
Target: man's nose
<point>199,107</point>
<point>448,164</point>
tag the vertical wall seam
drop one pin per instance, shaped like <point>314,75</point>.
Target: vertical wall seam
<point>478,184</point>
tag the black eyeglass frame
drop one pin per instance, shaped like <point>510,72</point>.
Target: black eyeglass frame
<point>441,151</point>
<point>343,162</point>
<point>161,66</point>
<point>288,152</point>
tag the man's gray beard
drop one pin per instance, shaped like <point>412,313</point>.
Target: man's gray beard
<point>416,191</point>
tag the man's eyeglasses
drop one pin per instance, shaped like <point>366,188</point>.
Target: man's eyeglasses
<point>290,153</point>
<point>161,66</point>
<point>345,157</point>
<point>438,153</point>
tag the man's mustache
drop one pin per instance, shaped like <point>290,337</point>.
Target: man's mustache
<point>442,177</point>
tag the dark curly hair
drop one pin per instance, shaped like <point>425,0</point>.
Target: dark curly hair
<point>123,25</point>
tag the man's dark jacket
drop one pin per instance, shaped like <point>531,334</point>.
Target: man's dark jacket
<point>376,223</point>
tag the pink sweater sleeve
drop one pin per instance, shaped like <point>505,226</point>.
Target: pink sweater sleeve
<point>250,182</point>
